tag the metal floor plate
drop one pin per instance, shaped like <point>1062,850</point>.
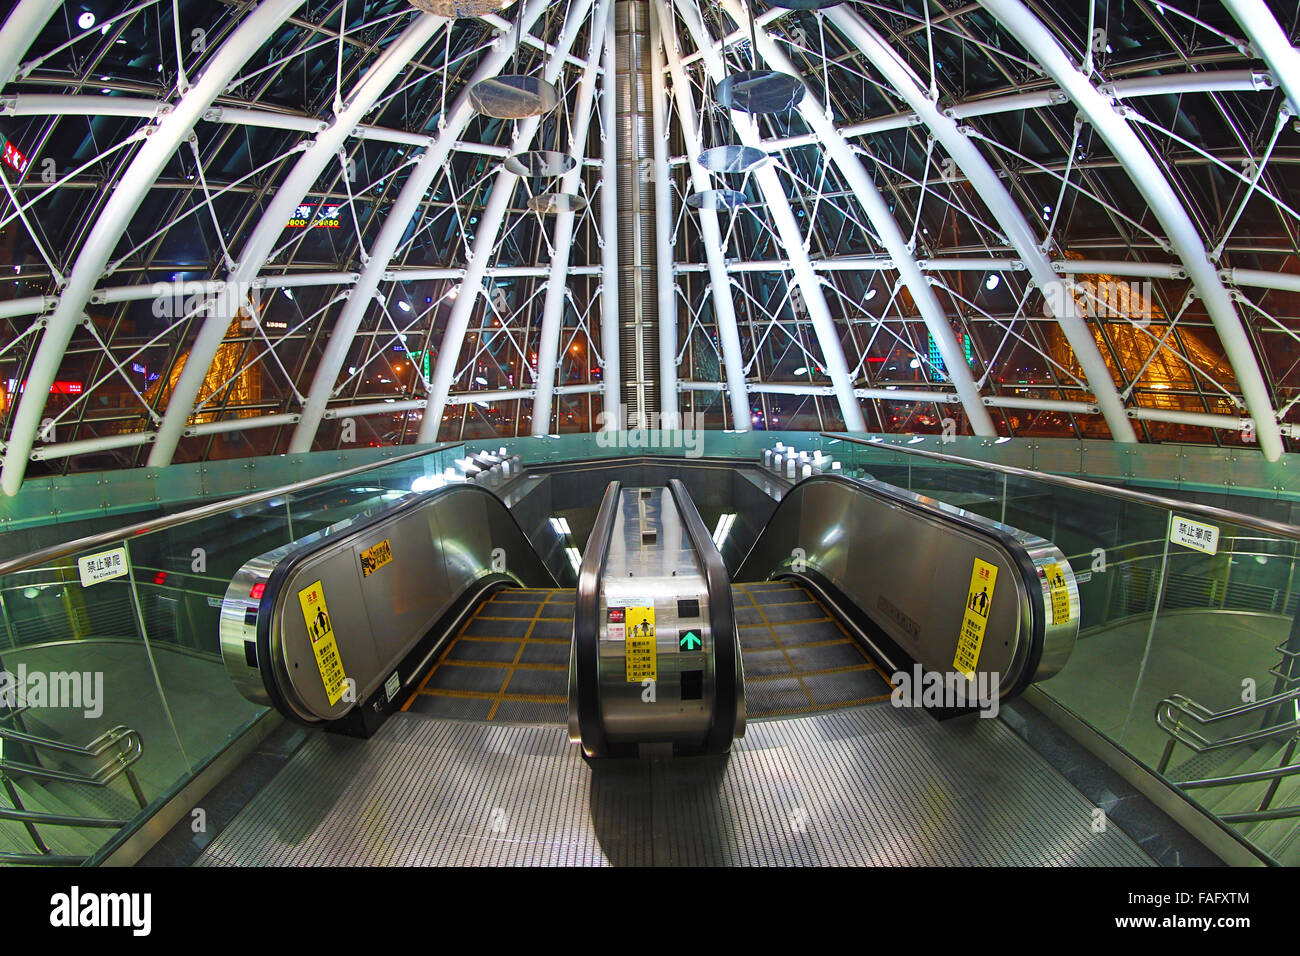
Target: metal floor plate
<point>870,785</point>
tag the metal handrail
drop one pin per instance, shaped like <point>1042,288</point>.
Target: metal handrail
<point>1277,528</point>
<point>108,742</point>
<point>22,562</point>
<point>1203,715</point>
<point>1253,776</point>
<point>96,748</point>
<point>1178,733</point>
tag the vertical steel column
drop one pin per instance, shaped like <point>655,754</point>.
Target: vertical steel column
<point>669,414</point>
<point>557,283</point>
<point>724,306</point>
<point>612,397</point>
<point>638,290</point>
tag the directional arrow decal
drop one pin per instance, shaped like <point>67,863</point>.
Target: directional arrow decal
<point>690,641</point>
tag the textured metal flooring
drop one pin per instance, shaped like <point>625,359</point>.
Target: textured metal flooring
<point>798,658</point>
<point>861,786</point>
<point>509,662</point>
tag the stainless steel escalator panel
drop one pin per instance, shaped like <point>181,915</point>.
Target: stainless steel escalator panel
<point>907,561</point>
<point>433,550</point>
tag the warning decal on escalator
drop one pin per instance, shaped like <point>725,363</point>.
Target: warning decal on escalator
<point>321,631</point>
<point>976,617</point>
<point>374,558</point>
<point>639,645</point>
<point>1060,593</point>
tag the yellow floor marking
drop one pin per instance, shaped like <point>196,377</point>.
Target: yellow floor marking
<point>510,671</point>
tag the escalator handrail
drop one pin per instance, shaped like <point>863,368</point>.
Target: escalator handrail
<point>287,565</point>
<point>34,558</point>
<point>586,623</point>
<point>722,622</point>
<point>953,515</point>
<point>1223,515</point>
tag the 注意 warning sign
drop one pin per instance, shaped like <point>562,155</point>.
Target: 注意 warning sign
<point>975,619</point>
<point>321,631</point>
<point>639,645</point>
<point>1060,593</point>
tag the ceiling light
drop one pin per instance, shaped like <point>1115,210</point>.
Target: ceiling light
<point>86,20</point>
<point>992,282</point>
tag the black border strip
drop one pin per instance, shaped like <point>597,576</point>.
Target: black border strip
<point>585,646</point>
<point>722,622</point>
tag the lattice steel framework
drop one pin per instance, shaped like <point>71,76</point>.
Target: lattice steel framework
<point>247,228</point>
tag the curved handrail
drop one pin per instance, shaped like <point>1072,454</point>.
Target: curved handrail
<point>52,552</point>
<point>728,685</point>
<point>1278,528</point>
<point>585,647</point>
<point>102,776</point>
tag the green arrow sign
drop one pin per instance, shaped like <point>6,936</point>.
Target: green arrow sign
<point>690,641</point>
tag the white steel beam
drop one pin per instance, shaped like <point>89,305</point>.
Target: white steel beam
<point>130,190</point>
<point>557,282</point>
<point>724,305</point>
<point>666,282</point>
<point>398,220</point>
<point>485,243</point>
<point>999,201</point>
<point>319,153</point>
<point>1271,43</point>
<point>23,25</point>
<point>891,236</point>
<point>1108,120</point>
<point>612,372</point>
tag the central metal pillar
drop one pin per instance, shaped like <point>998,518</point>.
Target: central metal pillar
<point>638,293</point>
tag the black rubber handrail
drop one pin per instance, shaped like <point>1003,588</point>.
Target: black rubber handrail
<point>586,624</point>
<point>722,621</point>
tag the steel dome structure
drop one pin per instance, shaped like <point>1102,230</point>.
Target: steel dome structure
<point>250,228</point>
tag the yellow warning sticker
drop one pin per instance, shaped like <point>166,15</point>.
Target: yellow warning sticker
<point>1060,593</point>
<point>321,631</point>
<point>375,557</point>
<point>639,645</point>
<point>976,618</point>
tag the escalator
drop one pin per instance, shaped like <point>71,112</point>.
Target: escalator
<point>718,721</point>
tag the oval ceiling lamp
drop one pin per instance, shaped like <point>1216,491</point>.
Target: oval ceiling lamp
<point>460,8</point>
<point>513,96</point>
<point>732,159</point>
<point>717,199</point>
<point>540,162</point>
<point>759,91</point>
<point>546,203</point>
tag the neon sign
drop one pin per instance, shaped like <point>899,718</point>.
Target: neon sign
<point>306,217</point>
